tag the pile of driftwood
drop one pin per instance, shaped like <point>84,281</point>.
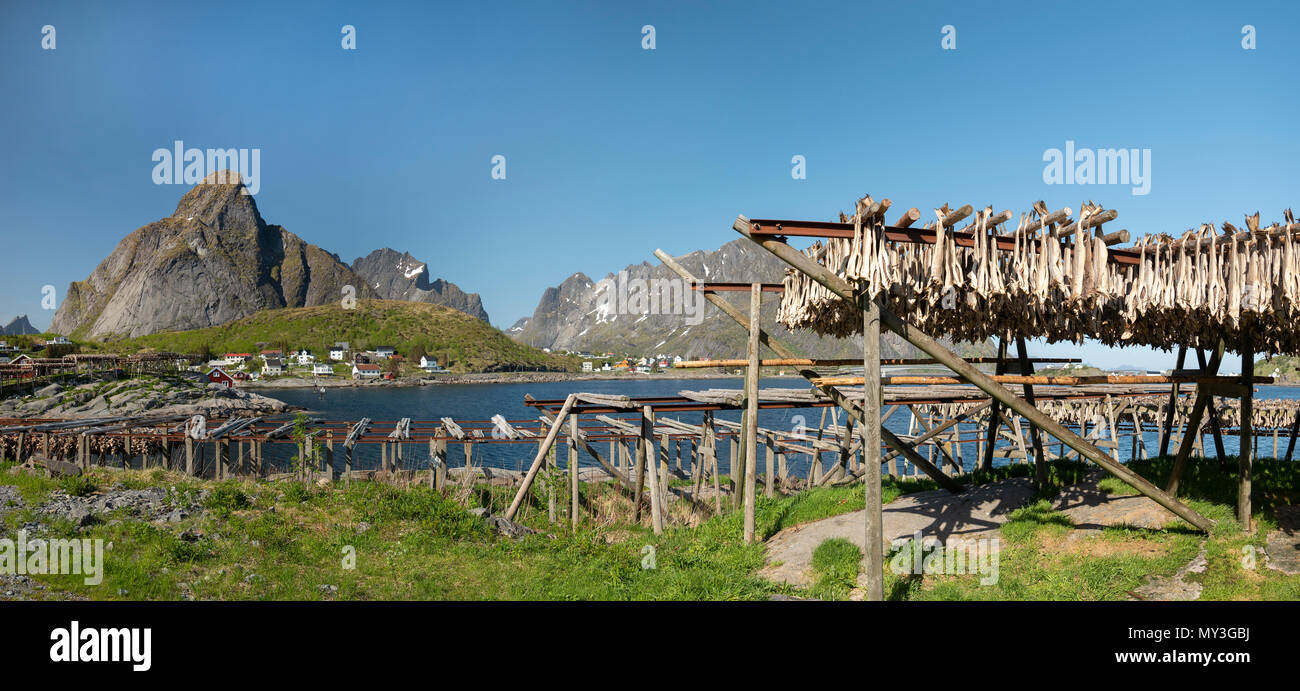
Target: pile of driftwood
<point>1060,283</point>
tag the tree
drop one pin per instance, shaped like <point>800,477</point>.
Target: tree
<point>416,353</point>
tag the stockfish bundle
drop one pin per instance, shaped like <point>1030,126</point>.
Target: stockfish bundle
<point>1061,284</point>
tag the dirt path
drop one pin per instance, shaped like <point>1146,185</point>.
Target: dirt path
<point>976,513</point>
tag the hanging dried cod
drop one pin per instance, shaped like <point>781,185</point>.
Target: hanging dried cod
<point>1059,283</point>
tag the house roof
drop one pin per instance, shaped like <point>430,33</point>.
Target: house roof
<point>367,368</point>
<point>237,354</point>
<point>218,369</point>
<point>274,362</point>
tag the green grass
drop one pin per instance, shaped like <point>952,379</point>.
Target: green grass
<point>284,540</point>
<point>469,344</point>
<point>836,563</point>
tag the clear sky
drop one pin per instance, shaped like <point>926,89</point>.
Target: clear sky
<point>613,150</point>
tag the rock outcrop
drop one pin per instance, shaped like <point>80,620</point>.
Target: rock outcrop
<point>212,261</point>
<point>394,275</point>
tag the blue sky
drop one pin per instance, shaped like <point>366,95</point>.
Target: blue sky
<point>613,150</point>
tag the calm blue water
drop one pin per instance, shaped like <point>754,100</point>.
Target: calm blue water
<point>481,401</point>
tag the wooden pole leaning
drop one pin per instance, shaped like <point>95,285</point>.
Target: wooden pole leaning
<point>541,456</point>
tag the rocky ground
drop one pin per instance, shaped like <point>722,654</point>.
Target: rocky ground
<point>154,504</point>
<point>174,395</point>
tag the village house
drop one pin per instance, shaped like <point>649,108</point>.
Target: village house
<point>274,367</point>
<point>322,368</point>
<point>339,351</point>
<point>220,376</point>
<point>60,340</point>
<point>236,358</point>
<point>304,357</point>
<point>365,371</point>
<point>429,364</point>
<point>586,365</point>
<point>384,352</point>
<point>267,354</point>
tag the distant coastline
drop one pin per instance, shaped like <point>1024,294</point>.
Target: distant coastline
<point>488,378</point>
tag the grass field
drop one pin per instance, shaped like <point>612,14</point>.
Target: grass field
<point>282,540</point>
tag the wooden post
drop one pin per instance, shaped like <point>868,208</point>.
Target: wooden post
<point>1290,445</point>
<point>638,473</point>
<point>663,472</point>
<point>875,540</point>
<point>643,451</point>
<point>573,471</point>
<point>995,412</point>
<point>751,409</point>
<point>1173,404</point>
<point>189,455</point>
<point>1244,468</point>
<point>1204,398</point>
<point>347,465</point>
<point>770,489</point>
<point>1040,459</point>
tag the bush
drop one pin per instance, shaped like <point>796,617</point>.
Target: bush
<point>227,497</point>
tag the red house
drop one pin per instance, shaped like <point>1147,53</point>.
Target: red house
<point>220,376</point>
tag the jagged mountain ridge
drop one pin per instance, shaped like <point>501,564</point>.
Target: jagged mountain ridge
<point>394,275</point>
<point>18,326</point>
<point>577,316</point>
<point>214,260</point>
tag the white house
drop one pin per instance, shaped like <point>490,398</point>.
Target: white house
<point>586,365</point>
<point>273,367</point>
<point>322,368</point>
<point>61,340</point>
<point>384,351</point>
<point>339,351</point>
<point>365,371</point>
<point>304,357</point>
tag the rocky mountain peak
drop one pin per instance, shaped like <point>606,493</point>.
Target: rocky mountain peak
<point>220,202</point>
<point>394,275</point>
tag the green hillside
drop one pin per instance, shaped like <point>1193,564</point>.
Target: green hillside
<point>459,341</point>
<point>1287,368</point>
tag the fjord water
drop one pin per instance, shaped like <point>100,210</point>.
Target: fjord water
<point>481,401</point>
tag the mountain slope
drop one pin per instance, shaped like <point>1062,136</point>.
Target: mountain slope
<point>396,275</point>
<point>598,316</point>
<point>212,261</point>
<point>469,344</point>
<point>20,326</point>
